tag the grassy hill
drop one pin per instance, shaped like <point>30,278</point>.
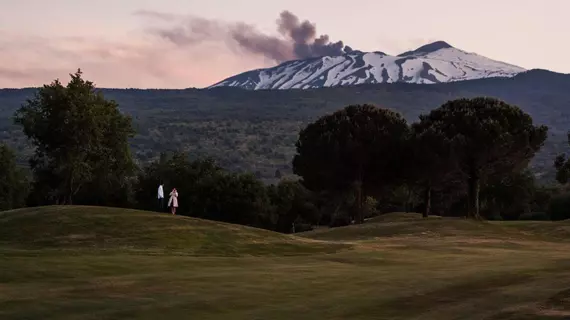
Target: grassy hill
<point>97,228</point>
<point>397,225</point>
<point>103,263</point>
<point>256,130</point>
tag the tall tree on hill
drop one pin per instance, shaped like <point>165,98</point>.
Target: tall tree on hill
<point>80,139</point>
<point>431,160</point>
<point>355,149</point>
<point>488,136</point>
<point>13,184</point>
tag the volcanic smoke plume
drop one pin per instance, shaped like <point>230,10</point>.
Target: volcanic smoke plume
<point>302,38</point>
<point>298,39</point>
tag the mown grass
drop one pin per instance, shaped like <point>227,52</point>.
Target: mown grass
<point>96,228</point>
<point>412,225</point>
<point>152,266</point>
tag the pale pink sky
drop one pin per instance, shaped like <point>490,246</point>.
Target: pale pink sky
<point>117,46</point>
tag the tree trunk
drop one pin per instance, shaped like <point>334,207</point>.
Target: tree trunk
<point>409,204</point>
<point>359,214</point>
<point>359,199</point>
<point>427,201</point>
<point>473,196</point>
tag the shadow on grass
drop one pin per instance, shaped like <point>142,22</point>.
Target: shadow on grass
<point>554,308</point>
<point>418,304</point>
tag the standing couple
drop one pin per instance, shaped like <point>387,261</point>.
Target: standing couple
<point>172,202</point>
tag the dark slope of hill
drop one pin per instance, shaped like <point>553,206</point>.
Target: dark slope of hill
<point>113,229</point>
<point>398,224</point>
<point>256,130</point>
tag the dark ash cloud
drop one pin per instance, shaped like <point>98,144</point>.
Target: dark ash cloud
<point>298,39</point>
<point>303,37</point>
<point>253,41</point>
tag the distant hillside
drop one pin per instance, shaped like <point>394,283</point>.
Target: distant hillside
<point>256,130</point>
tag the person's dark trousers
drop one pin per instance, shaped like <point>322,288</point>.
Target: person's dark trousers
<point>161,204</point>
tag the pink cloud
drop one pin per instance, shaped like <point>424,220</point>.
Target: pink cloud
<point>140,60</point>
<point>168,50</point>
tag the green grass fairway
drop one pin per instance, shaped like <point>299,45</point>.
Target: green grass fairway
<point>102,263</point>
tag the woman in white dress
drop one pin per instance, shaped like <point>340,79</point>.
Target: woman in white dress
<point>173,201</point>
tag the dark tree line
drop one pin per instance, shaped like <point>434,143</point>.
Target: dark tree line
<point>465,158</point>
<point>13,181</point>
<point>369,150</point>
<point>255,131</point>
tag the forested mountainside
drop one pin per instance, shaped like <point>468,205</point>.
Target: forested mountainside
<point>256,130</point>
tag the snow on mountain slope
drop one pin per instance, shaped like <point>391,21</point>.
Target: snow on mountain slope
<point>433,63</point>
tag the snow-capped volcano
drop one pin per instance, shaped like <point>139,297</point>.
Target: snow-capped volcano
<point>433,63</point>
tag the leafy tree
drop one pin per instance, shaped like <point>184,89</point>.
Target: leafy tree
<point>80,140</point>
<point>206,191</point>
<point>174,171</point>
<point>447,195</point>
<point>13,184</point>
<point>234,198</point>
<point>487,136</point>
<point>509,196</point>
<point>562,166</point>
<point>403,197</point>
<point>292,202</point>
<point>431,160</point>
<point>355,148</point>
<point>542,197</point>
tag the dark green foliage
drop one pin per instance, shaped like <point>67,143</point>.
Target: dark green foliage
<point>81,144</point>
<point>13,184</point>
<point>562,166</point>
<point>294,206</point>
<point>358,162</point>
<point>514,196</point>
<point>542,197</point>
<point>431,161</point>
<point>235,198</point>
<point>356,148</point>
<point>247,131</point>
<point>206,191</point>
<point>488,136</point>
<point>559,207</point>
<point>508,196</point>
<point>175,171</point>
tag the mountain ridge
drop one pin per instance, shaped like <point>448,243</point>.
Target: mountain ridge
<point>430,47</point>
<point>437,62</point>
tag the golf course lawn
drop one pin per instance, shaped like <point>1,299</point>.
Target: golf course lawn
<point>104,263</point>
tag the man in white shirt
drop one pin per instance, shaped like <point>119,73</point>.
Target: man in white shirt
<point>160,197</point>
